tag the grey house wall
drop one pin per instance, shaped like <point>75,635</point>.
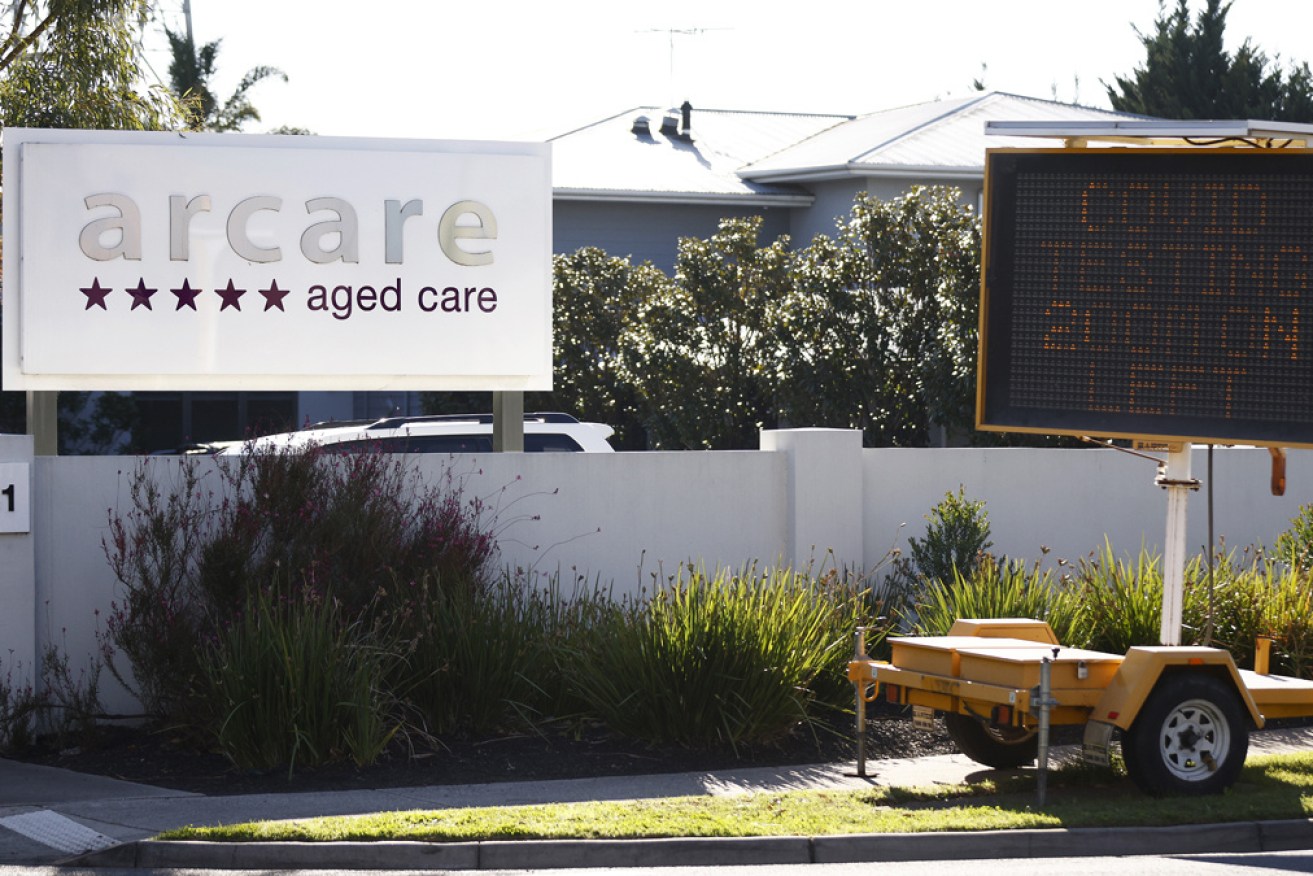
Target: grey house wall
<point>834,200</point>
<point>646,231</point>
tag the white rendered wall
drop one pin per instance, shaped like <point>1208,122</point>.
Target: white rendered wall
<point>1069,500</point>
<point>620,519</point>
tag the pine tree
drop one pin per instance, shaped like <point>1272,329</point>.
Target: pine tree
<point>1188,74</point>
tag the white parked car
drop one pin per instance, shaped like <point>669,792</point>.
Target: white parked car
<point>442,433</point>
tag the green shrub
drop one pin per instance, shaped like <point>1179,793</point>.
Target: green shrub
<point>347,538</point>
<point>19,706</point>
<point>347,524</point>
<point>956,539</point>
<point>1295,545</point>
<point>153,549</point>
<point>70,702</point>
<point>728,660</point>
<point>956,542</point>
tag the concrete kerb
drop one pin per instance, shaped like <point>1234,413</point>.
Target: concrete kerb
<point>1239,837</point>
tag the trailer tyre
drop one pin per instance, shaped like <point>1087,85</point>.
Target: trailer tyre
<point>1191,737</point>
<point>1002,748</point>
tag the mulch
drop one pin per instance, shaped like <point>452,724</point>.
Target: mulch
<point>156,756</point>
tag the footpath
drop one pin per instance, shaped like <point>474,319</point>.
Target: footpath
<point>50,816</point>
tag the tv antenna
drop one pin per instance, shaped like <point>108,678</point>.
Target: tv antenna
<point>671,33</point>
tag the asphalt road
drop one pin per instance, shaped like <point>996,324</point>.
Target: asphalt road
<point>1174,865</point>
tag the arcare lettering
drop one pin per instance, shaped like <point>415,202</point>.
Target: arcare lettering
<point>463,232</point>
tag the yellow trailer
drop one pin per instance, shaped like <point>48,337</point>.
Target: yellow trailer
<point>1183,714</point>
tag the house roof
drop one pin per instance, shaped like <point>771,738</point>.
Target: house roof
<point>765,158</point>
<point>944,139</point>
<point>607,160</point>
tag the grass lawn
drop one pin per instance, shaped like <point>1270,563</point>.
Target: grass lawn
<point>1271,787</point>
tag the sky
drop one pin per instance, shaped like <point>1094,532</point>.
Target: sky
<point>528,70</point>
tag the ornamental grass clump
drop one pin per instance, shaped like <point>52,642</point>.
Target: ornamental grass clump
<point>1121,600</point>
<point>717,661</point>
<point>997,588</point>
<point>481,660</point>
<point>295,683</point>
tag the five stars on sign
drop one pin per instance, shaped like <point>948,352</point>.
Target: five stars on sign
<point>186,295</point>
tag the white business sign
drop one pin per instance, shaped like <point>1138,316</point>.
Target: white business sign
<point>185,261</point>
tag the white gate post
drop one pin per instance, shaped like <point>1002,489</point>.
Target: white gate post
<point>825,502</point>
<point>17,561</point>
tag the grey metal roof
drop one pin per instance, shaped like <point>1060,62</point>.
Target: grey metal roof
<point>608,161</point>
<point>943,139</point>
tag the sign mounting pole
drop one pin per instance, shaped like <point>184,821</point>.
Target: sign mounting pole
<point>1174,477</point>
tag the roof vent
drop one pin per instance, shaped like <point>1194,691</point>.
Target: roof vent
<point>642,127</point>
<point>686,119</point>
<point>670,124</point>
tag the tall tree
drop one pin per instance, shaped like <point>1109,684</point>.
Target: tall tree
<point>698,350</point>
<point>879,329</point>
<point>1188,74</point>
<point>190,71</point>
<point>76,64</point>
<point>594,297</point>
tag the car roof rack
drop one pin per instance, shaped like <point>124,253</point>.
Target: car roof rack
<point>398,422</point>
<point>337,424</point>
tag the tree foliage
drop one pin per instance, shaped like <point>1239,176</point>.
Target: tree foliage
<point>880,328</point>
<point>190,72</point>
<point>698,350</point>
<point>874,329</point>
<point>594,297</point>
<point>75,64</point>
<point>1188,74</point>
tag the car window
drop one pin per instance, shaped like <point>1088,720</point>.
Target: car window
<point>550,442</point>
<point>534,442</point>
<point>449,444</point>
<point>415,444</point>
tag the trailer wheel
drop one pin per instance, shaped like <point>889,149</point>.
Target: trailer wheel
<point>1002,748</point>
<point>1190,737</point>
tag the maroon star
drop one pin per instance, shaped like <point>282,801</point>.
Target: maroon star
<point>273,296</point>
<point>141,295</point>
<point>96,295</point>
<point>186,295</point>
<point>230,296</point>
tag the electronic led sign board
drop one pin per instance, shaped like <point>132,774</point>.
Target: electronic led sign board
<point>1157,293</point>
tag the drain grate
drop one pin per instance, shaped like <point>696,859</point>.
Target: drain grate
<point>57,832</point>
